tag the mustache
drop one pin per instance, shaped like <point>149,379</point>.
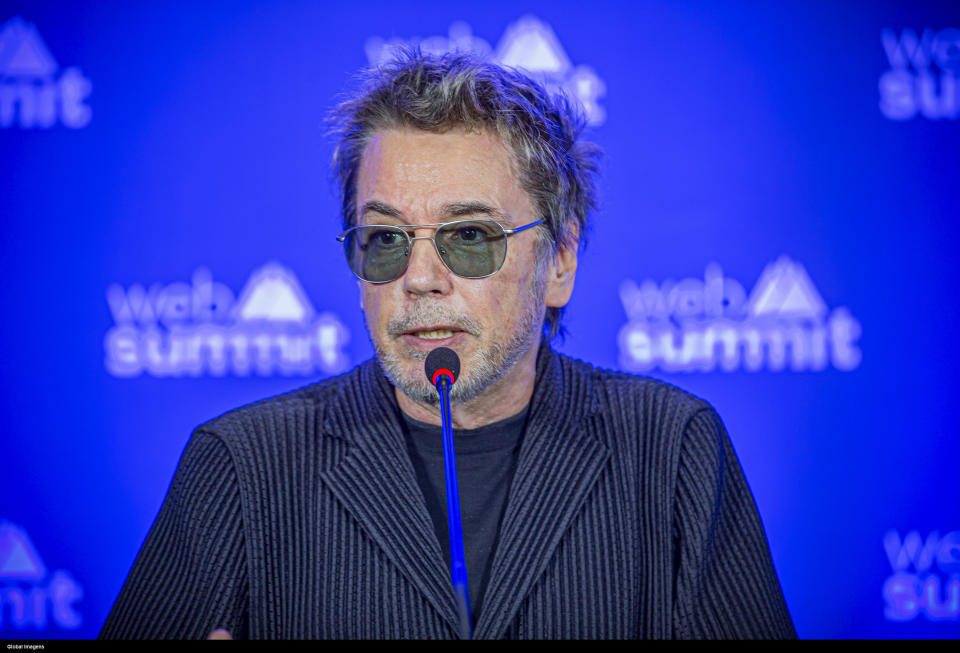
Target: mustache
<point>429,314</point>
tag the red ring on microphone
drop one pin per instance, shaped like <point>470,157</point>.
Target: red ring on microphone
<point>442,370</point>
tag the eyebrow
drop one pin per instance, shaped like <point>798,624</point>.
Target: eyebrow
<point>460,209</point>
<point>380,207</point>
<point>453,210</point>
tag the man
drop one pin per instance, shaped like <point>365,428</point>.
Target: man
<point>596,504</point>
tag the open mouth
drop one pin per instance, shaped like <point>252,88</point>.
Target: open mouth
<point>424,336</point>
<point>434,334</point>
<point>427,327</point>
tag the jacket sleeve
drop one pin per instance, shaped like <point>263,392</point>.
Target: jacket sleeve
<point>726,586</point>
<point>190,575</point>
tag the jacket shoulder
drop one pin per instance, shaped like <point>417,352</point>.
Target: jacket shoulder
<point>301,410</point>
<point>616,389</point>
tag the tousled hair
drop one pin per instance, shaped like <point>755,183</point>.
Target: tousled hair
<point>542,131</point>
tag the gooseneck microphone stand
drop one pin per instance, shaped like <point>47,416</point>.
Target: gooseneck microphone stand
<point>442,368</point>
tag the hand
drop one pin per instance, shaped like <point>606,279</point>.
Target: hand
<point>219,633</point>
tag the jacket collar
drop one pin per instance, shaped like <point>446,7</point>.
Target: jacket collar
<point>559,463</point>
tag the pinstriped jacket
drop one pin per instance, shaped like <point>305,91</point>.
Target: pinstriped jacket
<point>300,517</point>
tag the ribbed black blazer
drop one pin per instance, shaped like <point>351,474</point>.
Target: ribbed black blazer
<point>300,517</point>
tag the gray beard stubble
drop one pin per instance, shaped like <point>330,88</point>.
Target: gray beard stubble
<point>484,368</point>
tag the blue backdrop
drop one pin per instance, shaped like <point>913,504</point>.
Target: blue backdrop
<point>777,235</point>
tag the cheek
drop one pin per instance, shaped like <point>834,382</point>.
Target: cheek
<point>502,300</point>
<point>508,288</point>
<point>370,304</point>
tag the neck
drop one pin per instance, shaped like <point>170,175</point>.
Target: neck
<point>504,398</point>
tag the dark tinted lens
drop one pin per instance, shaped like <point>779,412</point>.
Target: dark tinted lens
<point>377,253</point>
<point>472,248</point>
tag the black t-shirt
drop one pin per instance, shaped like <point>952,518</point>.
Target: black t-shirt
<point>486,461</point>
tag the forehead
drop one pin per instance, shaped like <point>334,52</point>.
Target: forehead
<point>417,172</point>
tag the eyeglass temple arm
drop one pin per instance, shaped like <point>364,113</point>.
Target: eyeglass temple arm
<point>517,230</point>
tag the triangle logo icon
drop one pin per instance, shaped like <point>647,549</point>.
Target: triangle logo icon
<point>23,52</point>
<point>785,290</point>
<point>273,294</point>
<point>531,44</point>
<point>18,559</point>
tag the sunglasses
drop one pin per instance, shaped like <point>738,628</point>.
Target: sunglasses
<point>473,249</point>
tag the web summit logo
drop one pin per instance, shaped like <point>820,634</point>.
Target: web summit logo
<point>28,82</point>
<point>528,43</point>
<point>28,596</point>
<point>700,325</point>
<point>924,75</point>
<point>199,328</point>
<point>926,576</point>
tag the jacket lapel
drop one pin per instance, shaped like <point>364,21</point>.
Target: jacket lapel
<point>559,464</point>
<point>375,482</point>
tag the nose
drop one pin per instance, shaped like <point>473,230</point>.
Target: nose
<point>426,274</point>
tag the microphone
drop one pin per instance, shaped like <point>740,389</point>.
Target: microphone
<point>442,368</point>
<point>442,361</point>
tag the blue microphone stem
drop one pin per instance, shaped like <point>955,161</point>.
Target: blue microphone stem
<point>458,563</point>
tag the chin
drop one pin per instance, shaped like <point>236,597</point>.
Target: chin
<point>405,371</point>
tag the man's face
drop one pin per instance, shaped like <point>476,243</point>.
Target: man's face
<point>416,177</point>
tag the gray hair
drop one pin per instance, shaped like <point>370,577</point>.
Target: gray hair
<point>555,167</point>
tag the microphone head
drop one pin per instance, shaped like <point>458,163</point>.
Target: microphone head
<point>442,362</point>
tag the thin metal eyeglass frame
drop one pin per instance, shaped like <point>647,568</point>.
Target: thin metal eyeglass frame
<point>435,225</point>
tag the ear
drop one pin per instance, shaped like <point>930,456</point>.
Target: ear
<point>561,274</point>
